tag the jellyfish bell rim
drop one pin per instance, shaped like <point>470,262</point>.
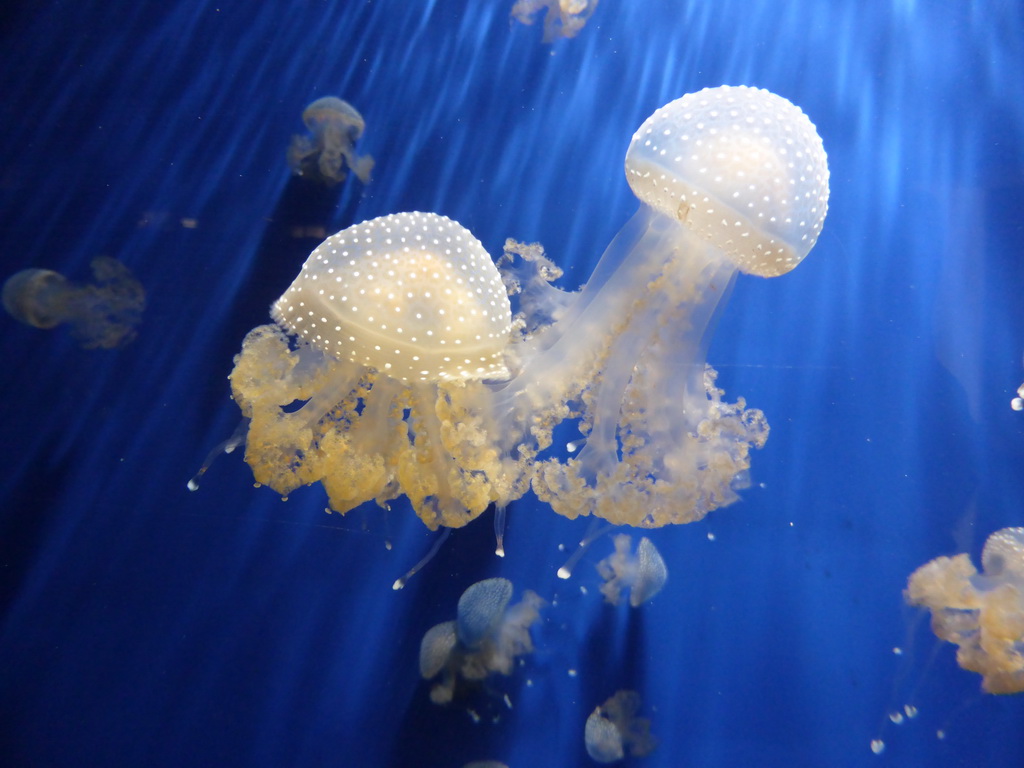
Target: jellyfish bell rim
<point>763,249</point>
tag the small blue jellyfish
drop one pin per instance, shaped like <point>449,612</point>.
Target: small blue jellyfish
<point>613,729</point>
<point>485,638</point>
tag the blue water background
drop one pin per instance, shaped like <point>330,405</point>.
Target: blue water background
<point>146,625</point>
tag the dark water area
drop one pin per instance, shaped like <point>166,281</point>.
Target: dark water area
<point>142,624</point>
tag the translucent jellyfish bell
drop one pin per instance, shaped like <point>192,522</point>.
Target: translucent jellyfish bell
<point>412,295</point>
<point>480,609</point>
<point>613,729</point>
<point>435,648</point>
<point>741,167</point>
<point>1003,555</point>
<point>643,573</point>
<point>36,297</point>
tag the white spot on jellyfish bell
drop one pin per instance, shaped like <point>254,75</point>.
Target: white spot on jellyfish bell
<point>741,166</point>
<point>413,295</point>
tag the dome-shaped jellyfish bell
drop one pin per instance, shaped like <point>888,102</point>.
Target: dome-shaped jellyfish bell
<point>742,168</point>
<point>384,318</point>
<point>731,179</point>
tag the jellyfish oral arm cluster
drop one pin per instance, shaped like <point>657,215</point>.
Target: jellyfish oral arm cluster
<point>398,342</point>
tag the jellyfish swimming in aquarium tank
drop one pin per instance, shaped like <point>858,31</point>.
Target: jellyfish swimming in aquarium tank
<point>395,367</point>
<point>613,729</point>
<point>382,313</point>
<point>563,18</point>
<point>486,637</point>
<point>103,314</point>
<point>731,179</point>
<point>334,128</point>
<point>643,573</point>
<point>982,613</point>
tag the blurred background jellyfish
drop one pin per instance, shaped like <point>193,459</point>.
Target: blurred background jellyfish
<point>330,147</point>
<point>485,638</point>
<point>643,573</point>
<point>380,316</point>
<point>613,729</point>
<point>983,613</point>
<point>731,179</point>
<point>563,18</point>
<point>102,315</point>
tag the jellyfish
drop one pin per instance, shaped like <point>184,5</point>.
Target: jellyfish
<point>485,638</point>
<point>730,179</point>
<point>983,613</point>
<point>643,573</point>
<point>563,18</point>
<point>102,315</point>
<point>613,728</point>
<point>394,366</point>
<point>344,388</point>
<point>334,127</point>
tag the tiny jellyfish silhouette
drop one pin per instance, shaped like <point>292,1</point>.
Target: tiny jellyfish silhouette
<point>485,638</point>
<point>334,128</point>
<point>563,18</point>
<point>982,613</point>
<point>395,368</point>
<point>102,315</point>
<point>643,573</point>
<point>613,729</point>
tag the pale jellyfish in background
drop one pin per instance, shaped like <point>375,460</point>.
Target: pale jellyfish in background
<point>485,638</point>
<point>643,573</point>
<point>564,18</point>
<point>731,179</point>
<point>102,314</point>
<point>1018,402</point>
<point>334,128</point>
<point>983,613</point>
<point>613,729</point>
<point>384,312</point>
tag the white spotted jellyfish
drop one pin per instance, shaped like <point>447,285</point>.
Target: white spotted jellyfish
<point>730,179</point>
<point>343,388</point>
